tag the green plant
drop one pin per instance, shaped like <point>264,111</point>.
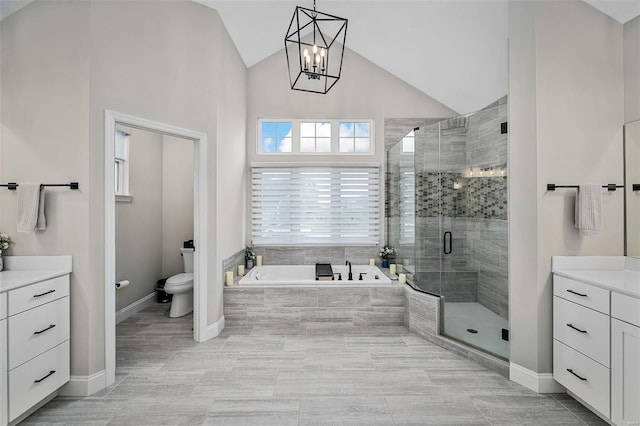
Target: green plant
<point>387,252</point>
<point>5,242</point>
<point>249,254</point>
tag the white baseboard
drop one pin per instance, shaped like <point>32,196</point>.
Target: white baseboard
<point>135,307</point>
<point>213,330</point>
<point>537,382</point>
<point>84,385</point>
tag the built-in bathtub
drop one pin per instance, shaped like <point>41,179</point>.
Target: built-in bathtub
<point>288,297</point>
<point>304,276</point>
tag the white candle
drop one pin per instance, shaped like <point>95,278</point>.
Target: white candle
<point>402,278</point>
<point>228,278</point>
<point>372,262</point>
<point>392,269</point>
<point>240,270</point>
<point>405,262</point>
<point>399,268</point>
<point>258,260</point>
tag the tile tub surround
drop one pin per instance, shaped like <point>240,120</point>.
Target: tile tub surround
<point>314,308</point>
<point>245,376</point>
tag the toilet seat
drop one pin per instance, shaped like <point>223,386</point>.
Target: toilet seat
<point>180,280</point>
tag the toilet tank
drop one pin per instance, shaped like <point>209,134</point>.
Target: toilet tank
<point>187,259</point>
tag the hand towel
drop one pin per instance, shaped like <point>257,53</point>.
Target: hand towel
<point>30,207</point>
<point>588,214</point>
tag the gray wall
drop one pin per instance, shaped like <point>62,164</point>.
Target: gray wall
<point>62,64</point>
<point>177,201</point>
<point>152,227</point>
<point>139,223</point>
<point>565,113</point>
<point>364,91</point>
<point>631,34</point>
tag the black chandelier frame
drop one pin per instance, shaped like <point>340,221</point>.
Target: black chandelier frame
<point>321,40</point>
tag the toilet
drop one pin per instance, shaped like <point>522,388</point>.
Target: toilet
<point>181,286</point>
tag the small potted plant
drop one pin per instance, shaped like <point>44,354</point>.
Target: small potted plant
<point>249,258</point>
<point>5,243</point>
<point>387,253</point>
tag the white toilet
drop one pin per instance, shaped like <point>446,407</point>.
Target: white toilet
<point>181,286</point>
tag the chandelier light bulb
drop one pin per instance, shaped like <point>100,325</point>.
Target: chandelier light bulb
<point>315,49</point>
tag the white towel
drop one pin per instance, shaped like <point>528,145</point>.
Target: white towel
<point>30,210</point>
<point>588,214</point>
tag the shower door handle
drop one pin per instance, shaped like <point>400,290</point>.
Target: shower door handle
<point>447,236</point>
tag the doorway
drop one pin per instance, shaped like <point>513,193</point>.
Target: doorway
<point>112,121</point>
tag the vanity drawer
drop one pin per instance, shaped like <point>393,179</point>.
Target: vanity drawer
<point>38,294</point>
<point>37,330</point>
<point>3,305</point>
<point>584,294</point>
<point>583,329</point>
<point>582,376</point>
<point>625,308</point>
<point>36,379</point>
<point>3,373</point>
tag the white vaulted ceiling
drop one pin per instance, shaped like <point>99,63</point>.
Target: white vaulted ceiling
<point>452,50</point>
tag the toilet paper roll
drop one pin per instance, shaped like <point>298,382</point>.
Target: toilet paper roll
<point>122,284</point>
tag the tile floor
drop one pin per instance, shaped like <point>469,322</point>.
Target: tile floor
<point>367,376</point>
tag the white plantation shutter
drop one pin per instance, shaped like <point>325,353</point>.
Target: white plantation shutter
<point>315,205</point>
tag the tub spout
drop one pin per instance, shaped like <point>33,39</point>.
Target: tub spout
<point>350,274</point>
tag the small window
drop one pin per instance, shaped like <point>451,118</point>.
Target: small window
<point>121,162</point>
<point>275,136</point>
<point>409,142</point>
<point>315,137</point>
<point>355,137</point>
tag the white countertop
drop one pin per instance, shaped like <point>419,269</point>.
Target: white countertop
<point>24,270</point>
<point>618,281</point>
<point>614,273</point>
<point>10,280</point>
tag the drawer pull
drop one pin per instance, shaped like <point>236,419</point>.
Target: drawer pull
<point>49,292</point>
<point>576,328</point>
<point>579,377</point>
<point>576,293</point>
<point>43,330</point>
<point>50,373</point>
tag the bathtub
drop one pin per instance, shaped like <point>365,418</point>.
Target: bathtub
<point>304,275</point>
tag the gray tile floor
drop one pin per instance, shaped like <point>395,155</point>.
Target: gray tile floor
<point>367,376</point>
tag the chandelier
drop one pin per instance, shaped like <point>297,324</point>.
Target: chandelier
<point>314,46</point>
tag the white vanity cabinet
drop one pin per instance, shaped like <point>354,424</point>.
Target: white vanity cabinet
<point>625,360</point>
<point>581,345</point>
<point>34,333</point>
<point>596,331</point>
<point>4,408</point>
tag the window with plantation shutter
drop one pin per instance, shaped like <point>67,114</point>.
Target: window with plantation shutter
<point>315,205</point>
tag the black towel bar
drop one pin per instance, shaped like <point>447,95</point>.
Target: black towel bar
<point>12,186</point>
<point>609,187</point>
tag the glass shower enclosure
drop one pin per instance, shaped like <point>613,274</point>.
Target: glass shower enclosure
<point>447,218</point>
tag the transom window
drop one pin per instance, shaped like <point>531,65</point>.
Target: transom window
<point>315,137</point>
<point>409,142</point>
<point>276,136</point>
<point>355,137</point>
<point>343,137</point>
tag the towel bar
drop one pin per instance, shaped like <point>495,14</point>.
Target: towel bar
<point>12,186</point>
<point>609,186</point>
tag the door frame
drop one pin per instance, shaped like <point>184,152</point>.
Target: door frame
<point>200,270</point>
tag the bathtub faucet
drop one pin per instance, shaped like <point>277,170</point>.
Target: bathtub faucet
<point>350,274</point>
